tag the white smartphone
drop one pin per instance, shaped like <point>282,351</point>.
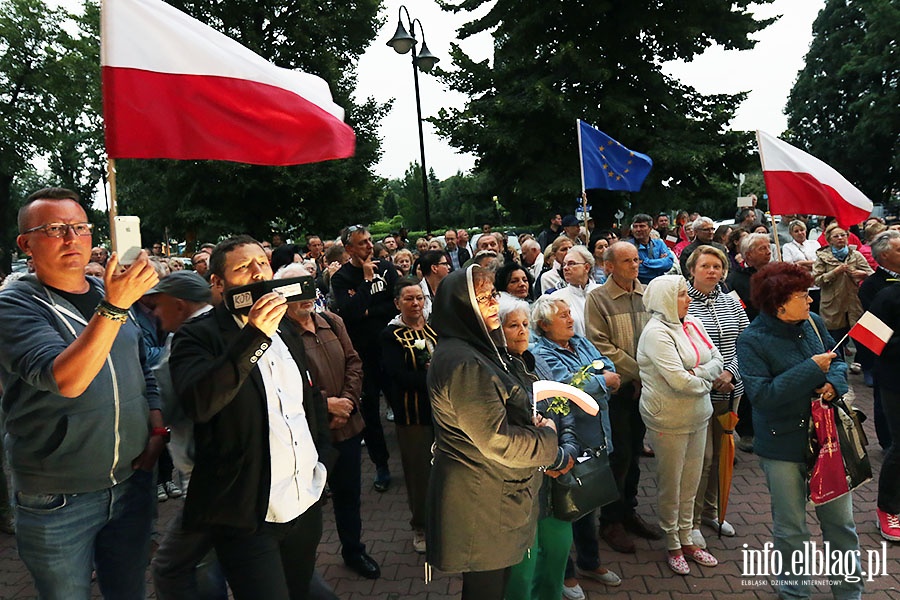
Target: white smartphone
<point>126,239</point>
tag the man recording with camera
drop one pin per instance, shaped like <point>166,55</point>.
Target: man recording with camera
<point>261,431</point>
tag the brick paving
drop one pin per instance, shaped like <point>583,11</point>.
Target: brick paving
<point>645,574</point>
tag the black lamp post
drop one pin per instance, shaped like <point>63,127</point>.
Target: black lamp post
<point>403,42</point>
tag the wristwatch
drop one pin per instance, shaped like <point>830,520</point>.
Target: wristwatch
<point>164,432</point>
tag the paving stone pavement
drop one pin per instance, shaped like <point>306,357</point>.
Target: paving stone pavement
<point>645,574</point>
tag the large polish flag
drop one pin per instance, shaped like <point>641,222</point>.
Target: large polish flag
<point>798,183</point>
<point>176,88</point>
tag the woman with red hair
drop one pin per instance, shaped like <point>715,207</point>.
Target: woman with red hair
<point>786,362</point>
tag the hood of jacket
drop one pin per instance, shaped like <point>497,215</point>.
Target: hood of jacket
<point>661,297</point>
<point>455,314</point>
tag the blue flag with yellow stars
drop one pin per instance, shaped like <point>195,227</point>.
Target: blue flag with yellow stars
<point>608,165</point>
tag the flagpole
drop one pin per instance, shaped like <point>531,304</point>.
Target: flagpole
<point>113,211</point>
<point>580,154</point>
<point>762,163</point>
<point>838,345</point>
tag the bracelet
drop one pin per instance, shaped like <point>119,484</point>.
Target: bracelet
<point>103,309</point>
<point>113,308</point>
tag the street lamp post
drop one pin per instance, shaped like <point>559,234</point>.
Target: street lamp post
<point>403,42</point>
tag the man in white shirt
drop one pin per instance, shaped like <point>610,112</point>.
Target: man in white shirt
<point>533,258</point>
<point>261,433</point>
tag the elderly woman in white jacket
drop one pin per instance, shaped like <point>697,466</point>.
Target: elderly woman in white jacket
<point>678,364</point>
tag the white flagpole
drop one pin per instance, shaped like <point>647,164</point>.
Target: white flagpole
<point>762,162</point>
<point>580,154</point>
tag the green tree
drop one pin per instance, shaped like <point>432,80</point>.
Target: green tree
<point>845,105</point>
<point>205,200</point>
<point>37,97</point>
<point>599,61</point>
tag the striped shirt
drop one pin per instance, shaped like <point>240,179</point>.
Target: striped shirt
<point>724,319</point>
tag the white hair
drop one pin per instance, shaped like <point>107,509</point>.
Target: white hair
<point>699,222</point>
<point>584,253</point>
<point>748,241</point>
<point>297,269</point>
<point>509,305</point>
<point>543,310</point>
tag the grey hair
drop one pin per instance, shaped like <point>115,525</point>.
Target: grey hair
<point>543,310</point>
<point>882,243</point>
<point>297,269</point>
<point>510,305</point>
<point>584,253</point>
<point>530,243</point>
<point>699,222</point>
<point>748,241</point>
<point>495,263</point>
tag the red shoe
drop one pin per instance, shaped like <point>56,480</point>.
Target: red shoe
<point>889,525</point>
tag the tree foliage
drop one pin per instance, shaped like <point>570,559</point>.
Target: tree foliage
<point>49,103</point>
<point>205,200</point>
<point>845,105</point>
<point>600,61</point>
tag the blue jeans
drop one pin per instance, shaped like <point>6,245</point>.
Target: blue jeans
<point>787,487</point>
<point>61,537</point>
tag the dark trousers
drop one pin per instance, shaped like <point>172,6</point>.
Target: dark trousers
<point>889,478</point>
<point>276,562</point>
<point>344,481</point>
<point>415,453</point>
<point>587,545</point>
<point>744,425</point>
<point>628,439</point>
<point>485,585</point>
<point>370,405</point>
<point>164,466</point>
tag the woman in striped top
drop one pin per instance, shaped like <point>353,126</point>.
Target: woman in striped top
<point>724,319</point>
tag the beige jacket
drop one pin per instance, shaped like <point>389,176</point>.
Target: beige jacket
<point>614,320</point>
<point>840,306</point>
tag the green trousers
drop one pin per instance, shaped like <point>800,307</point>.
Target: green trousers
<point>540,574</point>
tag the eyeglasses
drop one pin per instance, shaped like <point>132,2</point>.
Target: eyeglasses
<point>443,264</point>
<point>486,299</point>
<point>58,230</point>
<point>707,229</point>
<point>571,265</point>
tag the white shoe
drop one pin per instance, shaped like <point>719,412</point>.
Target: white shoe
<point>727,528</point>
<point>698,539</point>
<point>419,544</point>
<point>573,593</point>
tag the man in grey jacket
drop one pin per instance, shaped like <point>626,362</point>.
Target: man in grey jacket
<point>80,408</point>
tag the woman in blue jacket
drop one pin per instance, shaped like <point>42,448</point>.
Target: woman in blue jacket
<point>564,353</point>
<point>786,362</point>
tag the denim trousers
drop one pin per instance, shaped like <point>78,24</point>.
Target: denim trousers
<point>62,537</point>
<point>787,487</point>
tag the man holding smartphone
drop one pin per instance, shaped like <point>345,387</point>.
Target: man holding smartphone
<point>261,433</point>
<point>81,413</point>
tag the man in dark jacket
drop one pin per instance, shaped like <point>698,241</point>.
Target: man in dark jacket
<point>880,295</point>
<point>261,433</point>
<point>456,254</point>
<point>704,229</point>
<point>80,414</point>
<point>364,293</point>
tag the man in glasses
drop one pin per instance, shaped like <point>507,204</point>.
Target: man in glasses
<point>704,229</point>
<point>81,409</point>
<point>364,293</point>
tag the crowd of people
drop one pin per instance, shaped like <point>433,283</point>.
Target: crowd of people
<point>127,385</point>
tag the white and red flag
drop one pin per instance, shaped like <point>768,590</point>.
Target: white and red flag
<point>799,183</point>
<point>176,88</point>
<point>871,332</point>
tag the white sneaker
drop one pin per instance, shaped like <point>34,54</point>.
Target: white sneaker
<point>698,539</point>
<point>573,593</point>
<point>419,544</point>
<point>727,528</point>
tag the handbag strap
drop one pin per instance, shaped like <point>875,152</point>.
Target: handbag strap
<point>816,329</point>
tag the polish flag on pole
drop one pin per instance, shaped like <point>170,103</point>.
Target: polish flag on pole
<point>798,183</point>
<point>176,88</point>
<point>871,332</point>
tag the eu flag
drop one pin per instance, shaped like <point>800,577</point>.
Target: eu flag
<point>608,165</point>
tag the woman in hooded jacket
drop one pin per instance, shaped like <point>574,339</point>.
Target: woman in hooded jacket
<point>678,365</point>
<point>488,447</point>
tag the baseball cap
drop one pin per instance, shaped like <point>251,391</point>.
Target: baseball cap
<point>569,221</point>
<point>184,285</point>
